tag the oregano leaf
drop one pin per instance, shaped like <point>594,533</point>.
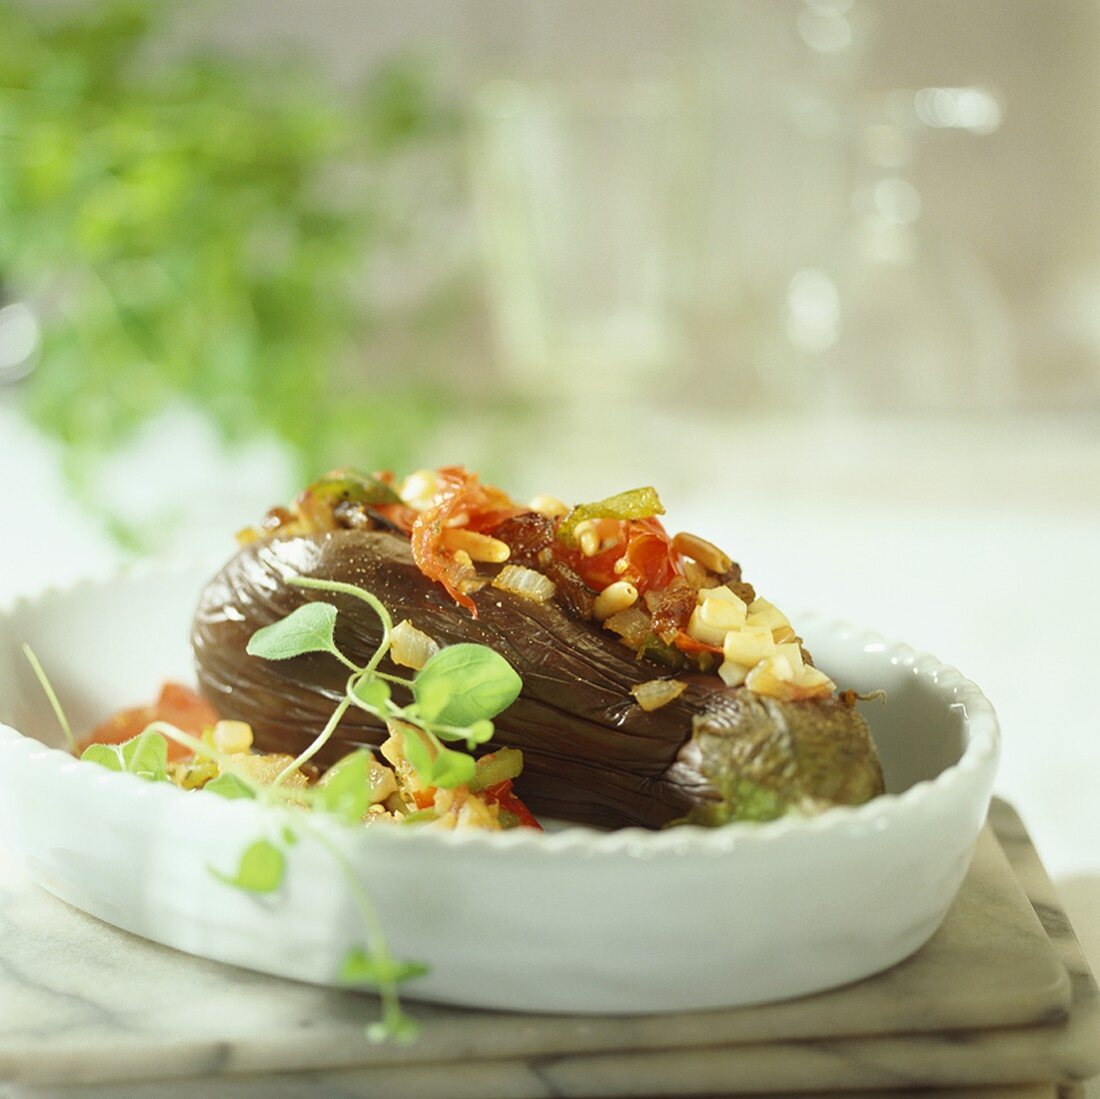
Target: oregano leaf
<point>437,765</point>
<point>373,692</point>
<point>464,683</point>
<point>361,967</point>
<point>415,749</point>
<point>432,696</point>
<point>146,756</point>
<point>106,755</point>
<point>309,628</point>
<point>479,732</point>
<point>228,785</point>
<point>260,870</point>
<point>450,769</point>
<point>346,787</point>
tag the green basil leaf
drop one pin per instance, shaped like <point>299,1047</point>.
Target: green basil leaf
<point>373,692</point>
<point>228,785</point>
<point>345,789</point>
<point>477,681</point>
<point>106,755</point>
<point>261,869</point>
<point>360,967</point>
<point>308,629</point>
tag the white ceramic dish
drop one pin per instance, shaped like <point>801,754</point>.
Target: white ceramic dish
<point>572,921</point>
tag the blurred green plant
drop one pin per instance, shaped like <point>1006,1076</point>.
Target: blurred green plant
<point>187,224</point>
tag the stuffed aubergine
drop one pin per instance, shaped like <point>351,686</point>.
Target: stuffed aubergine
<point>657,687</point>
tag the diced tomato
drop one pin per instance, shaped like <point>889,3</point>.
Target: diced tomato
<point>176,705</point>
<point>651,562</point>
<point>464,501</point>
<point>501,794</point>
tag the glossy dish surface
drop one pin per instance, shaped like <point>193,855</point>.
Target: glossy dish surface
<point>574,920</point>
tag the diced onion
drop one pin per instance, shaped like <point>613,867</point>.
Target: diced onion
<point>410,647</point>
<point>632,625</point>
<point>655,693</point>
<point>774,676</point>
<point>732,673</point>
<point>524,582</point>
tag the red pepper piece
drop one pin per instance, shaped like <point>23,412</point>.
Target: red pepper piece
<point>501,794</point>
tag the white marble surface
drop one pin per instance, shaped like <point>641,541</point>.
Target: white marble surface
<point>81,1002</point>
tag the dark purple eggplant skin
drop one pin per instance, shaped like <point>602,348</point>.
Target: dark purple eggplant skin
<point>591,754</point>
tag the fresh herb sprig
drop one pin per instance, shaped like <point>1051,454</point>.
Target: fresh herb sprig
<point>455,697</point>
<point>51,695</point>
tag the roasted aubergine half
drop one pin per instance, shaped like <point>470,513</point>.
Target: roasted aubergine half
<point>657,687</point>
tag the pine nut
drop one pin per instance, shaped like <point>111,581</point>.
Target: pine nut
<point>479,547</point>
<point>699,549</point>
<point>614,598</point>
<point>588,537</point>
<point>550,506</point>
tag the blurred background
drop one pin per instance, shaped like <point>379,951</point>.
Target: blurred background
<point>827,272</point>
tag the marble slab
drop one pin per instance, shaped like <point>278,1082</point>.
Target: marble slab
<point>81,1003</point>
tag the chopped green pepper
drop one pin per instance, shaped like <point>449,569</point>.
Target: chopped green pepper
<point>653,648</point>
<point>498,766</point>
<point>637,503</point>
<point>358,488</point>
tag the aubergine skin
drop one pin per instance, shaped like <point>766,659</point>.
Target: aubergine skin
<point>591,754</point>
